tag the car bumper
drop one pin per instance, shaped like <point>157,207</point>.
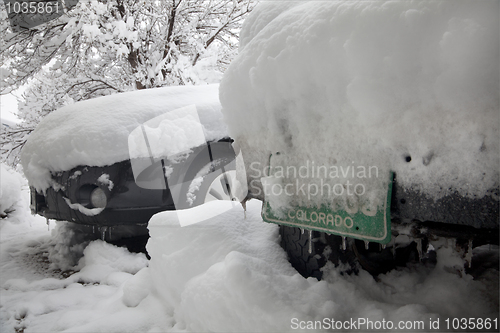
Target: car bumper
<point>127,205</point>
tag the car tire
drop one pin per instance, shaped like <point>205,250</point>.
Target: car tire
<point>308,259</point>
<point>376,260</point>
<point>215,185</point>
<point>305,250</point>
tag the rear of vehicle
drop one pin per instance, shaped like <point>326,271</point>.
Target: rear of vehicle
<point>86,165</point>
<point>323,93</point>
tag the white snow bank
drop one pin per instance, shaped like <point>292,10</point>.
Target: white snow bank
<point>229,274</point>
<point>38,296</point>
<point>191,250</point>
<point>371,83</point>
<point>11,198</point>
<point>100,260</point>
<point>226,274</point>
<point>101,263</point>
<point>95,132</point>
<point>91,296</point>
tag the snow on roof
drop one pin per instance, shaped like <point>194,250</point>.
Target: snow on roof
<point>95,132</point>
<point>407,86</point>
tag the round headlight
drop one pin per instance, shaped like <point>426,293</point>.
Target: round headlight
<point>98,198</point>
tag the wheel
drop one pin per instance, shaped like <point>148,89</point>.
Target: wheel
<point>209,184</point>
<point>377,260</point>
<point>220,188</point>
<point>305,250</point>
<point>308,251</point>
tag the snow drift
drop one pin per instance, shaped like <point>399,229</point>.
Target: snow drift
<point>95,132</point>
<point>226,274</point>
<point>229,274</point>
<point>407,86</point>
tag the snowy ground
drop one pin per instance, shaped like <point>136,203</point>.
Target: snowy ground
<point>434,98</point>
<point>225,274</point>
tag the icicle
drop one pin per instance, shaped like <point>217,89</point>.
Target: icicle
<point>310,242</point>
<point>384,246</point>
<point>244,205</point>
<point>344,246</point>
<point>419,248</point>
<point>103,232</point>
<point>468,256</point>
<point>302,231</point>
<point>48,223</point>
<point>367,245</point>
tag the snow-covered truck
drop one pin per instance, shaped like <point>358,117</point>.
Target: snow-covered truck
<point>370,129</point>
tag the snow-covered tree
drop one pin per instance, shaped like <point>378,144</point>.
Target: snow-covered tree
<point>101,47</point>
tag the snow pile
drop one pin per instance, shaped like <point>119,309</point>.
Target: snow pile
<point>226,274</point>
<point>95,132</point>
<point>407,86</point>
<point>66,245</point>
<point>229,274</point>
<point>101,260</point>
<point>92,295</point>
<point>41,289</point>
<point>192,250</point>
<point>11,199</point>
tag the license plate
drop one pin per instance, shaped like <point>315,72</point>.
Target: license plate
<point>355,222</point>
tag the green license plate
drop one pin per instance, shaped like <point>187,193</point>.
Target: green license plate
<point>358,223</point>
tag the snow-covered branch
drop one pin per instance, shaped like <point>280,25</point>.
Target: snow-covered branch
<point>102,47</point>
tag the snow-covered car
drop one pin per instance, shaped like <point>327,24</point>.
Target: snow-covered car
<point>372,125</point>
<point>110,163</point>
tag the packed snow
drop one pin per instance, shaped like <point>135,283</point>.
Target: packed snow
<point>225,274</point>
<point>405,86</point>
<point>232,275</point>
<point>95,132</point>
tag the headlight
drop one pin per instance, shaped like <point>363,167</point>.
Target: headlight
<point>98,198</point>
